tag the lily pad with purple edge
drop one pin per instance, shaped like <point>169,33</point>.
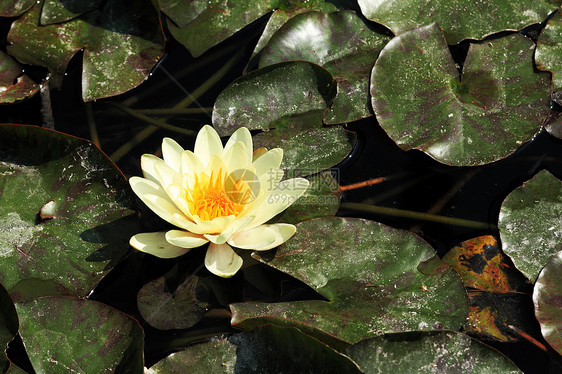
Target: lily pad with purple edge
<point>14,8</point>
<point>496,104</point>
<point>368,274</point>
<point>63,334</point>
<point>460,19</point>
<point>547,296</point>
<point>342,43</point>
<point>14,85</point>
<point>121,44</point>
<point>58,11</point>
<point>66,213</point>
<point>530,223</point>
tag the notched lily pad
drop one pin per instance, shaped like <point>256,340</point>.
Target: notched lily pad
<point>121,43</point>
<point>357,264</point>
<point>459,19</point>
<point>343,44</point>
<point>549,50</point>
<point>14,85</point>
<point>530,223</point>
<point>497,103</point>
<point>14,8</point>
<point>57,11</point>
<point>89,204</point>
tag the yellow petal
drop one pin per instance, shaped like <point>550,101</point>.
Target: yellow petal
<point>285,194</point>
<point>230,230</point>
<point>190,163</point>
<point>241,135</point>
<point>258,153</point>
<point>269,160</point>
<point>185,239</point>
<point>221,260</point>
<point>237,157</point>
<point>148,163</point>
<point>263,237</point>
<point>217,225</point>
<point>155,243</point>
<point>207,144</point>
<point>171,152</point>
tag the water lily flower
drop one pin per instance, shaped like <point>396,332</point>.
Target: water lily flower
<point>218,195</point>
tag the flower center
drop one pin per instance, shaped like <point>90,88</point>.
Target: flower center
<point>208,198</point>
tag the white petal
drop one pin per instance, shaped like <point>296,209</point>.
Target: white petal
<point>237,157</point>
<point>285,194</point>
<point>185,239</point>
<point>217,225</point>
<point>221,260</point>
<point>207,144</point>
<point>241,135</point>
<point>269,160</point>
<point>230,230</point>
<point>263,237</point>
<point>190,163</point>
<point>148,163</point>
<point>171,152</point>
<point>155,243</point>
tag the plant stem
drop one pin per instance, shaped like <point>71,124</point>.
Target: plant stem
<point>92,124</point>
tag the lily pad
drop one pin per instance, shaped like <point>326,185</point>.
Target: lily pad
<point>65,213</point>
<point>369,274</point>
<point>121,43</point>
<point>554,124</point>
<point>63,334</point>
<point>547,297</point>
<point>8,326</point>
<point>428,352</point>
<point>277,96</point>
<point>343,44</point>
<point>167,309</point>
<point>57,11</point>
<point>549,50</point>
<point>14,8</point>
<point>14,85</point>
<point>530,223</point>
<point>497,103</point>
<point>459,19</point>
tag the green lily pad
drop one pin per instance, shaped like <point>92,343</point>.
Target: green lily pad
<point>428,352</point>
<point>57,11</point>
<point>121,43</point>
<point>546,297</point>
<point>321,199</point>
<point>276,96</point>
<point>549,50</point>
<point>459,19</point>
<point>183,12</point>
<point>8,326</point>
<point>14,8</point>
<point>554,124</point>
<point>498,103</point>
<point>369,273</point>
<point>14,85</point>
<point>63,334</point>
<point>167,309</point>
<point>343,44</point>
<point>530,223</point>
<point>65,213</point>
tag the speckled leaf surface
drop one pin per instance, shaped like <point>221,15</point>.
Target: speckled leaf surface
<point>215,21</point>
<point>459,19</point>
<point>547,297</point>
<point>343,44</point>
<point>429,352</point>
<point>307,151</point>
<point>121,42</point>
<point>321,199</point>
<point>554,124</point>
<point>498,103</point>
<point>369,273</point>
<point>168,309</point>
<point>549,50</point>
<point>64,335</point>
<point>530,223</point>
<point>56,11</point>
<point>8,326</point>
<point>13,8</point>
<point>65,213</point>
<point>14,85</point>
<point>279,95</point>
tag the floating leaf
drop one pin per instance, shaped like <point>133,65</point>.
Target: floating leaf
<point>168,309</point>
<point>8,326</point>
<point>549,50</point>
<point>459,19</point>
<point>498,103</point>
<point>13,8</point>
<point>343,44</point>
<point>530,223</point>
<point>547,297</point>
<point>57,11</point>
<point>368,272</point>
<point>65,212</point>
<point>554,124</point>
<point>63,335</point>
<point>275,96</point>
<point>122,42</point>
<point>14,85</point>
<point>428,352</point>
